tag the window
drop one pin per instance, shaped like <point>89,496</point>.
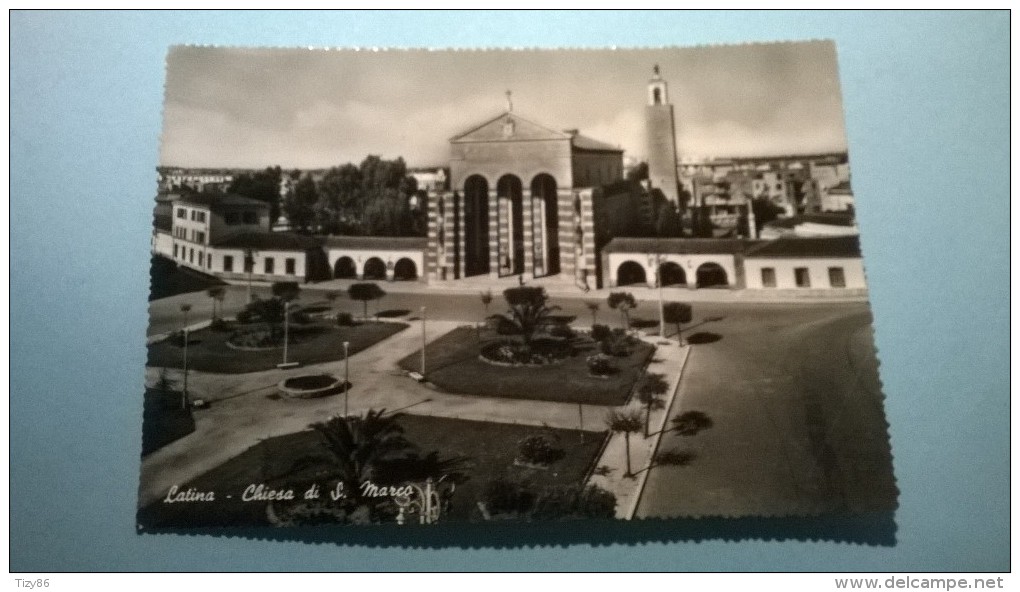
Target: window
<point>175,250</point>
<point>228,263</point>
<point>269,265</point>
<point>768,277</point>
<point>836,277</point>
<point>289,266</point>
<point>191,255</point>
<point>802,277</point>
<point>200,237</point>
<point>201,260</point>
<point>201,216</point>
<point>193,215</point>
<point>232,218</point>
<point>182,213</point>
<point>250,217</point>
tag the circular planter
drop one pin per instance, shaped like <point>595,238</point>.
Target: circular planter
<point>310,386</point>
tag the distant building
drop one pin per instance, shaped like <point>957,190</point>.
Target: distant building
<point>811,226</point>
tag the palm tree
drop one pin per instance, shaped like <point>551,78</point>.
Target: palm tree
<point>357,445</point>
<point>217,293</point>
<point>529,310</point>
<point>594,308</point>
<point>650,392</point>
<point>627,421</point>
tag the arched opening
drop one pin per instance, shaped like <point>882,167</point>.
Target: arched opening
<point>657,94</point>
<point>711,274</point>
<point>476,225</point>
<point>344,268</point>
<point>509,187</point>
<point>405,269</point>
<point>547,251</point>
<point>671,274</point>
<point>375,269</point>
<point>630,273</point>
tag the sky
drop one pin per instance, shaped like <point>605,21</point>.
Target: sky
<point>315,108</point>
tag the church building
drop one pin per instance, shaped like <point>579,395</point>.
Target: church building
<point>520,202</point>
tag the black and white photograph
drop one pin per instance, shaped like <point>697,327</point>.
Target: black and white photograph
<point>435,286</point>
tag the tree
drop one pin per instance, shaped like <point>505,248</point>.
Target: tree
<point>270,311</point>
<point>623,302</point>
<point>529,310</point>
<point>764,212</point>
<point>677,313</point>
<point>639,172</point>
<point>217,293</point>
<point>263,186</point>
<point>332,297</point>
<point>365,292</point>
<point>299,204</point>
<point>286,291</point>
<point>627,422</point>
<point>650,391</point>
<point>357,446</point>
<point>667,220</point>
<point>594,308</point>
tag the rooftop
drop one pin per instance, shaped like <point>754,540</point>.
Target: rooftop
<point>827,218</point>
<point>841,247</point>
<point>675,246</point>
<point>221,200</point>
<point>284,241</point>
<point>376,242</point>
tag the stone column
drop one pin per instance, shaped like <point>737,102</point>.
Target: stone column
<point>495,230</point>
<point>528,232</point>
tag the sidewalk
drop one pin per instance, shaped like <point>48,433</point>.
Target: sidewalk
<point>669,360</point>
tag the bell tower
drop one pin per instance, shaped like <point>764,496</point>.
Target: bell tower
<point>660,135</point>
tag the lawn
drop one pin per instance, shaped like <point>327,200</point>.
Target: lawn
<point>315,343</point>
<point>167,279</point>
<point>453,365</point>
<point>489,450</point>
<point>164,419</point>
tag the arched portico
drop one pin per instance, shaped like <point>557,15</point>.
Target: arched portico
<point>711,275</point>
<point>672,274</point>
<point>345,268</point>
<point>510,197</point>
<point>546,223</point>
<point>631,273</point>
<point>476,225</point>
<point>375,269</point>
<point>405,269</point>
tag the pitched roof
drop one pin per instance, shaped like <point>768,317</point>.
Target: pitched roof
<point>376,242</point>
<point>283,241</point>
<point>675,246</point>
<point>582,142</point>
<point>491,130</point>
<point>218,200</point>
<point>839,247</point>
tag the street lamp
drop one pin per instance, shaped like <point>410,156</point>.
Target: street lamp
<point>286,329</point>
<point>249,264</point>
<point>423,343</point>
<point>184,393</point>
<point>347,374</point>
<point>658,282</point>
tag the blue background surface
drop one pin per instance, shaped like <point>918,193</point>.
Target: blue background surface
<point>927,108</point>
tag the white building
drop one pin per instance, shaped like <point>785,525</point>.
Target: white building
<point>802,263</point>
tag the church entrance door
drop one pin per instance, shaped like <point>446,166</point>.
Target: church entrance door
<point>476,226</point>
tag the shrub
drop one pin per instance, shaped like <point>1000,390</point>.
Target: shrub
<point>246,316</point>
<point>255,338</point>
<point>540,449</point>
<point>617,345</point>
<point>345,319</point>
<point>600,365</point>
<point>600,332</point>
<point>504,495</point>
<point>219,325</point>
<point>573,501</point>
<point>561,330</point>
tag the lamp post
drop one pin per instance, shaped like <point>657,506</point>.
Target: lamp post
<point>347,374</point>
<point>286,329</point>
<point>658,282</point>
<point>423,343</point>
<point>249,264</point>
<point>184,393</point>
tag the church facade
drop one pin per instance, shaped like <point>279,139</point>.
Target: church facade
<point>520,203</point>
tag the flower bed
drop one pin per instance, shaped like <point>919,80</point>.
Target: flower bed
<point>513,353</point>
<point>310,386</point>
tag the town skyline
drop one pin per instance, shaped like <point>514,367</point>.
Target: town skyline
<point>249,108</point>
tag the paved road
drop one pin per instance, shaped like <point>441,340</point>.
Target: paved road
<point>798,422</point>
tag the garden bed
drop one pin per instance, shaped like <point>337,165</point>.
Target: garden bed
<point>453,364</point>
<point>312,343</point>
<point>489,450</point>
<point>310,386</point>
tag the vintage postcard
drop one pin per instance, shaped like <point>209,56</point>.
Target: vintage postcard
<point>419,287</point>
